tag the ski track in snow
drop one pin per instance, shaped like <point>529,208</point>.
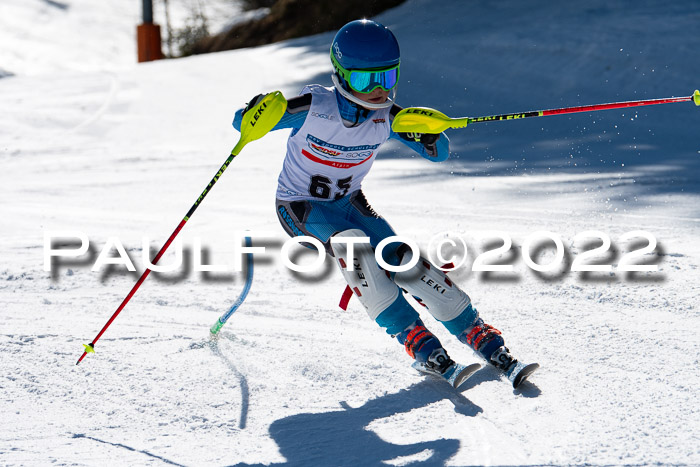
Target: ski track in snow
<point>124,151</point>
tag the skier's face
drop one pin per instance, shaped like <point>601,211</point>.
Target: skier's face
<point>378,96</point>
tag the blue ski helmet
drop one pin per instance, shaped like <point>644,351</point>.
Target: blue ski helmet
<point>366,45</point>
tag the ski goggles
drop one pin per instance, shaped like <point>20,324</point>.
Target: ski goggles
<point>366,81</point>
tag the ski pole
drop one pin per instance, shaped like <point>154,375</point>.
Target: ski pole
<point>426,120</point>
<point>216,327</point>
<point>257,122</point>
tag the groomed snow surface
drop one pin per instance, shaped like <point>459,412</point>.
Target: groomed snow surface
<point>92,142</point>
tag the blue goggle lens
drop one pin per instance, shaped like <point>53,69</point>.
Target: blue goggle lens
<point>368,81</point>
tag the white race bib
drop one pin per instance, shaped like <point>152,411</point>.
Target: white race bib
<point>325,159</point>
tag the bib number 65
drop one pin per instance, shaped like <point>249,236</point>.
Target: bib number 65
<point>321,187</point>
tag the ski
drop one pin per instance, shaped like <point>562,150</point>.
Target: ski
<point>519,372</point>
<point>515,371</point>
<point>456,375</point>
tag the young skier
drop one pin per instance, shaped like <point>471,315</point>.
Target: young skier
<point>335,135</point>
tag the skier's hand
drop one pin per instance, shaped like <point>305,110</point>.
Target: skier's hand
<point>252,103</point>
<point>428,140</point>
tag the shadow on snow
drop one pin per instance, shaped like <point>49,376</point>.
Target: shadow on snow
<point>342,438</point>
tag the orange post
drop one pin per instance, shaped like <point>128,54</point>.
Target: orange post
<point>148,39</point>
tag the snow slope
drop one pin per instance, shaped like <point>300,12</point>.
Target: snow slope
<point>123,151</point>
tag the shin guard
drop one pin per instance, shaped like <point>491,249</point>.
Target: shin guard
<point>432,288</point>
<point>371,284</point>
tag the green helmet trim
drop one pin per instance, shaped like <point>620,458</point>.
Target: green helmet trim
<point>366,81</point>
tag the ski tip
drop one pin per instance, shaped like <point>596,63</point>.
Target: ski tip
<point>696,97</point>
<point>522,375</point>
<point>463,375</point>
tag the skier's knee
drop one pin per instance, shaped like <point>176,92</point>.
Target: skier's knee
<point>370,284</point>
<point>443,299</point>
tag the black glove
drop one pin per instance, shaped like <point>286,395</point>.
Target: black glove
<point>252,103</point>
<point>428,141</point>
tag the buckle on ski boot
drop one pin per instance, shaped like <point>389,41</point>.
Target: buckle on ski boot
<point>439,361</point>
<point>483,338</point>
<point>502,359</point>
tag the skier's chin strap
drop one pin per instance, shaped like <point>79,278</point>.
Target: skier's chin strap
<point>367,105</point>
